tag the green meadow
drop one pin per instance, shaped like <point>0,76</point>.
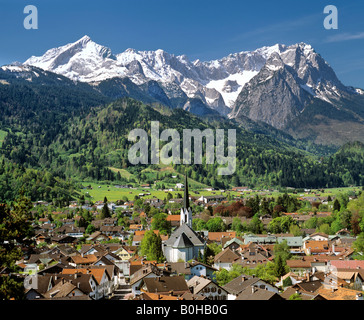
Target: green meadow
<point>98,191</point>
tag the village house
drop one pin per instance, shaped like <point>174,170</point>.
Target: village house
<point>175,286</point>
<point>82,261</point>
<point>202,270</point>
<point>154,202</point>
<point>212,199</point>
<point>63,289</point>
<point>174,219</point>
<point>206,287</point>
<point>251,257</point>
<point>112,231</point>
<point>104,284</point>
<point>225,259</point>
<point>316,247</point>
<point>62,239</point>
<point>307,290</point>
<point>47,286</point>
<point>71,230</point>
<point>157,297</point>
<point>146,271</point>
<point>180,269</point>
<point>233,244</point>
<point>218,236</point>
<point>97,237</point>
<point>291,277</point>
<point>237,286</point>
<point>255,293</point>
<point>339,293</point>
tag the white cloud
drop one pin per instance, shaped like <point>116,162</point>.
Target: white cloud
<point>345,37</point>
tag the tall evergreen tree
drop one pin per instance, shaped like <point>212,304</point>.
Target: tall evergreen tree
<point>279,267</point>
<point>15,234</point>
<point>105,213</point>
<point>336,206</point>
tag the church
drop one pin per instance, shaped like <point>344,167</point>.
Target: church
<point>184,243</point>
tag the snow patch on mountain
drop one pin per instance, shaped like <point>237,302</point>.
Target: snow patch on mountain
<point>230,87</point>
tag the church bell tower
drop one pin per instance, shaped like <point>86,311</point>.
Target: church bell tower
<point>186,212</point>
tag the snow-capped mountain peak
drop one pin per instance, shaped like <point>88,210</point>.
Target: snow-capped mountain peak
<point>217,82</point>
<point>74,60</point>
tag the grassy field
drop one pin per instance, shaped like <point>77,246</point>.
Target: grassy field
<point>99,191</point>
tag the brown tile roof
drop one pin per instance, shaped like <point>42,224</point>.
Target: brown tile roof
<point>338,293</point>
<point>304,295</point>
<point>348,264</point>
<point>157,296</point>
<point>190,296</point>
<point>164,285</point>
<point>82,281</point>
<point>240,283</point>
<point>138,237</point>
<point>217,236</point>
<point>298,263</point>
<point>60,290</point>
<point>135,226</point>
<point>86,259</point>
<point>142,272</point>
<point>173,217</point>
<point>317,246</point>
<point>199,283</point>
<point>96,272</point>
<point>226,256</point>
<point>180,267</point>
<point>255,293</point>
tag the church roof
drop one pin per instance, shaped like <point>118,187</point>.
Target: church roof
<point>182,241</point>
<point>189,234</point>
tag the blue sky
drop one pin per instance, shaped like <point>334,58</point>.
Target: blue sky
<point>200,29</point>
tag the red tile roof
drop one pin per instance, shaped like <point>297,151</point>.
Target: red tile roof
<point>348,264</point>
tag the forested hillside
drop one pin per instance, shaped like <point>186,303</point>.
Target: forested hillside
<point>90,141</point>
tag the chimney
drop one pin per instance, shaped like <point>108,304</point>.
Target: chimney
<point>253,289</point>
